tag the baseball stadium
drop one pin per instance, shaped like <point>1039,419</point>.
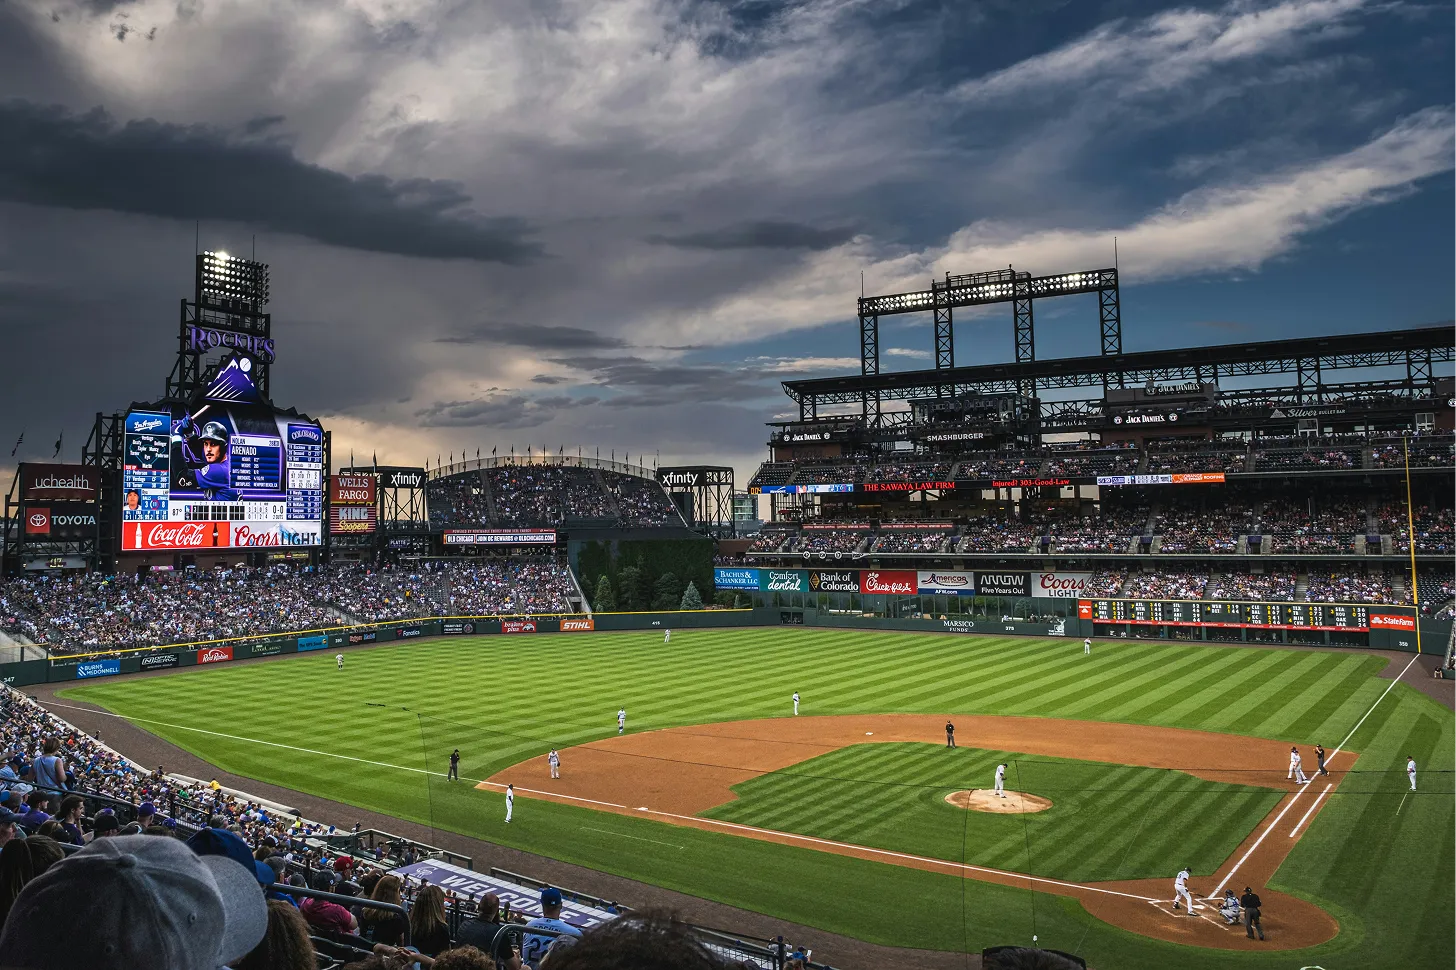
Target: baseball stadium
<point>1132,660</point>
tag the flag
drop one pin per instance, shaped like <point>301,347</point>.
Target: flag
<point>492,452</point>
<point>351,459</point>
<point>376,461</point>
<point>59,439</point>
<point>477,454</point>
<point>17,444</point>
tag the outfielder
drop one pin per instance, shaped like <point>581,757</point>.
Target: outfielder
<point>510,801</point>
<point>339,659</point>
<point>554,760</point>
<point>1001,781</point>
<point>1087,647</point>
<point>621,720</point>
<point>796,703</point>
<point>1296,767</point>
<point>1181,891</point>
<point>1410,771</point>
<point>666,636</point>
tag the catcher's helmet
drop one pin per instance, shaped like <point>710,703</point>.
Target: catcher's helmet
<point>214,431</point>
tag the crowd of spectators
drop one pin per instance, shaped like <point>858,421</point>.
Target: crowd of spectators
<point>770,540</point>
<point>1212,529</point>
<point>1110,531</point>
<point>831,540</point>
<point>1166,584</point>
<point>1326,586</point>
<point>1196,456</point>
<point>1272,587</point>
<point>1112,461</point>
<point>458,500</point>
<point>1322,458</point>
<point>989,533</point>
<point>829,474</point>
<point>906,471</point>
<point>1434,528</point>
<point>999,465</point>
<point>1303,527</point>
<point>911,540</point>
<point>91,611</point>
<point>641,502</point>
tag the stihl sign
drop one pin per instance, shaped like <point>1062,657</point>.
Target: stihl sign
<point>576,626</point>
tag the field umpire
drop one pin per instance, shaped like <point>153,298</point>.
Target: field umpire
<point>1249,901</point>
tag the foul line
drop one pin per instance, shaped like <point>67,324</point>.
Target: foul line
<point>1295,830</point>
<point>1303,788</point>
<point>624,835</point>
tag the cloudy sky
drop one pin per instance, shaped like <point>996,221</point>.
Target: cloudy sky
<point>621,224</point>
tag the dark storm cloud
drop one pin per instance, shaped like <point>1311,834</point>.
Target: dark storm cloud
<point>645,383</point>
<point>533,336</point>
<point>52,157</point>
<point>549,379</point>
<point>499,410</point>
<point>764,234</point>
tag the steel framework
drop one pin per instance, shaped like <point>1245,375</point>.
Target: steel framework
<point>1021,290</point>
<point>229,298</point>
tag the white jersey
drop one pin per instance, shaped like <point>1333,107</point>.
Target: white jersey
<point>1180,881</point>
<point>339,658</point>
<point>622,716</point>
<point>1000,772</point>
<point>1295,760</point>
<point>553,759</point>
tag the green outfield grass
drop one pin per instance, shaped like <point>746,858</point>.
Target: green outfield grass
<point>374,730</point>
<point>892,796</point>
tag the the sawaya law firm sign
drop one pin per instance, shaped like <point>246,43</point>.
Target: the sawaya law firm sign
<point>732,578</point>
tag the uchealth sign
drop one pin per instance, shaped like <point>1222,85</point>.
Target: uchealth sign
<point>1003,584</point>
<point>946,582</point>
<point>1059,585</point>
<point>45,482</point>
<point>887,581</point>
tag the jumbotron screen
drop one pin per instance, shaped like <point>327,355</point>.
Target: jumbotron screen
<point>230,470</point>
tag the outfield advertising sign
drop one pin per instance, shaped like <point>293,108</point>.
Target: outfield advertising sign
<point>579,625</point>
<point>408,632</point>
<point>784,580</point>
<point>887,581</point>
<point>312,643</point>
<point>1003,584</point>
<point>1068,586</point>
<point>160,661</point>
<point>97,668</point>
<point>734,578</point>
<point>946,582</point>
<point>457,626</point>
<point>270,649</point>
<point>215,655</point>
<point>834,581</point>
<point>518,626</point>
<point>366,637</point>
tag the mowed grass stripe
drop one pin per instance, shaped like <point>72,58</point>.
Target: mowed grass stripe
<point>1193,683</point>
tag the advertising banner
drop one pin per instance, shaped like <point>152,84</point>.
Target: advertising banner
<point>1391,621</point>
<point>834,581</point>
<point>37,521</point>
<point>97,668</point>
<point>1185,478</point>
<point>402,478</point>
<point>1059,585</point>
<point>408,632</point>
<point>215,655</point>
<point>580,625</point>
<point>501,537</point>
<point>160,661</point>
<point>783,580</point>
<point>1003,584</point>
<point>457,626</point>
<point>946,582</point>
<point>353,519</point>
<point>61,520</point>
<point>368,636</point>
<point>352,490</point>
<point>312,643</point>
<point>58,483</point>
<point>269,649</point>
<point>734,578</point>
<point>518,626</point>
<point>680,478</point>
<point>927,486</point>
<point>469,884</point>
<point>896,581</point>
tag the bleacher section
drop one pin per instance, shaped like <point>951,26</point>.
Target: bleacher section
<point>539,495</point>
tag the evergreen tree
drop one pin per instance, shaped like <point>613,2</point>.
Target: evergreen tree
<point>691,599</point>
<point>603,601</point>
<point>627,588</point>
<point>666,593</point>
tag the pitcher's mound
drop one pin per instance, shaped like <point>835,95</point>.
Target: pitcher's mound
<point>984,800</point>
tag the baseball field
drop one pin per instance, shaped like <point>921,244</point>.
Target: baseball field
<point>1139,759</point>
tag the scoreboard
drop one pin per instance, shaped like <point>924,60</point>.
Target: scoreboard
<point>1262,616</point>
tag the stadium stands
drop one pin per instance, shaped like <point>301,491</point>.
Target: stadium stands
<point>546,496</point>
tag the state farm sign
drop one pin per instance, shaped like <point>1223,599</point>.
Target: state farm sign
<point>214,655</point>
<point>1391,621</point>
<point>175,535</point>
<point>887,581</point>
<point>577,626</point>
<point>1060,585</point>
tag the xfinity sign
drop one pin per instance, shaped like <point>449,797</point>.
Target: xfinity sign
<point>405,479</point>
<point>679,478</point>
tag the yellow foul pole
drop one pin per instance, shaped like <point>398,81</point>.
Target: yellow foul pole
<point>1410,527</point>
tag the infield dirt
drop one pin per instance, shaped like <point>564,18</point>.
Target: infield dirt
<point>674,774</point>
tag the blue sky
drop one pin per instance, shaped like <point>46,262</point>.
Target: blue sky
<point>620,225</point>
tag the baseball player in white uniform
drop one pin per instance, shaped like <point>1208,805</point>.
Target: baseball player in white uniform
<point>1087,647</point>
<point>510,801</point>
<point>1001,781</point>
<point>666,636</point>
<point>339,658</point>
<point>1296,767</point>
<point>554,760</point>
<point>1180,889</point>
<point>621,720</point>
<point>796,703</point>
<point>1410,771</point>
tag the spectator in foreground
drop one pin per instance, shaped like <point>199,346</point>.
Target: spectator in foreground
<point>382,925</point>
<point>324,915</point>
<point>21,860</point>
<point>534,946</point>
<point>480,930</point>
<point>642,941</point>
<point>285,946</point>
<point>166,908</point>
<point>9,827</point>
<point>429,929</point>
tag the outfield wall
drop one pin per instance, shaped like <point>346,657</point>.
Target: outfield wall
<point>172,656</point>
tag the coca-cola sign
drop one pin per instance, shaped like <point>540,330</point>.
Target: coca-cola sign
<point>1060,585</point>
<point>215,655</point>
<point>900,582</point>
<point>175,535</point>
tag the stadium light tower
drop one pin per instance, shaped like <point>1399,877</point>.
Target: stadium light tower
<point>226,315</point>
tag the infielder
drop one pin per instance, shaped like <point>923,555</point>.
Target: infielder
<point>1181,891</point>
<point>1296,767</point>
<point>621,720</point>
<point>1001,781</point>
<point>666,636</point>
<point>339,658</point>
<point>510,801</point>
<point>554,760</point>
<point>796,703</point>
<point>1410,771</point>
<point>1087,647</point>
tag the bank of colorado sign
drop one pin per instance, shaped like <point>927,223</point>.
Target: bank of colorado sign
<point>834,581</point>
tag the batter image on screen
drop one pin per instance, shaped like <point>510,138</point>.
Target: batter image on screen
<point>203,458</point>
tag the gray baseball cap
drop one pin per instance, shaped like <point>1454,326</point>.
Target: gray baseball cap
<point>160,906</point>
